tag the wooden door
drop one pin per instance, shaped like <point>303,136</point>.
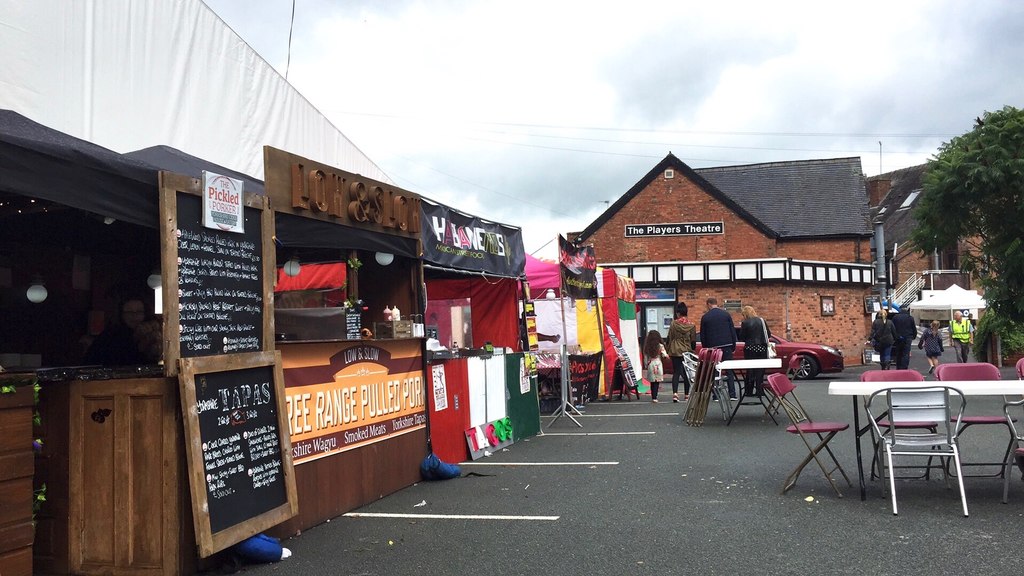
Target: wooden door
<point>124,477</point>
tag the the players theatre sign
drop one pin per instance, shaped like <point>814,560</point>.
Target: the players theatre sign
<point>677,229</point>
<point>364,394</point>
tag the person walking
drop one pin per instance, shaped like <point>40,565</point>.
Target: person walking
<point>883,335</point>
<point>931,343</point>
<point>906,331</point>
<point>961,335</point>
<point>654,351</point>
<point>754,333</point>
<point>717,331</point>
<point>681,335</point>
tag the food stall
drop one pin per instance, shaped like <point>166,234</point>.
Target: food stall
<point>482,396</point>
<point>90,238</point>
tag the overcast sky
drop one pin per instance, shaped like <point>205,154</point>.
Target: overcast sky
<point>538,113</point>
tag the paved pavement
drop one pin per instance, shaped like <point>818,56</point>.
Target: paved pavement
<point>676,499</point>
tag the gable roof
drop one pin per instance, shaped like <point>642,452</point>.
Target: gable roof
<point>671,162</point>
<point>784,200</point>
<point>801,198</point>
<point>898,221</point>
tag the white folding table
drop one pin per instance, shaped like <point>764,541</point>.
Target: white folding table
<point>856,389</point>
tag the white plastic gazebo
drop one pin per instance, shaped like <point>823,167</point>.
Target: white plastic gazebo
<point>940,304</point>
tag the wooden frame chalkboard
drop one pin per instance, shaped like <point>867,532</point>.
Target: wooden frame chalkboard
<point>218,287</point>
<point>237,445</point>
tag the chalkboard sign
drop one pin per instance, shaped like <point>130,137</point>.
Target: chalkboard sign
<point>220,283</point>
<point>239,452</point>
<point>217,291</point>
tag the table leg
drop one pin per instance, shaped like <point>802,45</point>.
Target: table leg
<point>856,436</point>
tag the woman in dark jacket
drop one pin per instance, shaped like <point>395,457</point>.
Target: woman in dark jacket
<point>681,335</point>
<point>883,335</point>
<point>754,333</point>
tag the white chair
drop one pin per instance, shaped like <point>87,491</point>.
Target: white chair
<point>932,404</point>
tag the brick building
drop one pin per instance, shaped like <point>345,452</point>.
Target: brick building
<point>892,197</point>
<point>792,239</point>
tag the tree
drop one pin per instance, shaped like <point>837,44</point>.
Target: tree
<point>974,194</point>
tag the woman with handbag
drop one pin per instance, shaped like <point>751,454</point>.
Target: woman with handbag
<point>756,338</point>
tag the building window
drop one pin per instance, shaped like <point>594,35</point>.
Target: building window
<point>670,174</point>
<point>773,270</point>
<point>643,274</point>
<point>693,272</point>
<point>746,271</point>
<point>668,274</point>
<point>718,272</point>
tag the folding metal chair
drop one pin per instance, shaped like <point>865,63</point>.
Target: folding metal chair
<point>701,387</point>
<point>815,434</point>
<point>979,371</point>
<point>895,376</point>
<point>920,405</point>
<point>1018,437</point>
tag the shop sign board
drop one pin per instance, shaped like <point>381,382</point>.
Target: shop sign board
<point>674,229</point>
<point>222,203</point>
<point>343,395</point>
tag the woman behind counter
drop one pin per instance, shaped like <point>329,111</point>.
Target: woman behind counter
<point>127,341</point>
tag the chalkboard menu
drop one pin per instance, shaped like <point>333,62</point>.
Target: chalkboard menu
<point>220,283</point>
<point>240,448</point>
<point>239,453</point>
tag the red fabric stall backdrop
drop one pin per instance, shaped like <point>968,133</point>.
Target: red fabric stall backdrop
<point>494,307</point>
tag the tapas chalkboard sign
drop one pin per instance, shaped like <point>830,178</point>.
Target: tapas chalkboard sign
<point>216,285</point>
<point>239,451</point>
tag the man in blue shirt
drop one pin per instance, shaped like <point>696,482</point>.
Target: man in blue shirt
<point>717,331</point>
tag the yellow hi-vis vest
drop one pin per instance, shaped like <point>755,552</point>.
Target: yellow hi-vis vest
<point>960,330</point>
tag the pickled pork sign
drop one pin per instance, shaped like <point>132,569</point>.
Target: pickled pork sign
<point>222,203</point>
<point>362,394</point>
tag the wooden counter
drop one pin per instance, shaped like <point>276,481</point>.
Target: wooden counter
<point>113,463</point>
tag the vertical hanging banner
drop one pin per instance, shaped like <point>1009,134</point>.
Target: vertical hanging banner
<point>578,267</point>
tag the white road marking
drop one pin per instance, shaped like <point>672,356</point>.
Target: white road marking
<point>449,516</point>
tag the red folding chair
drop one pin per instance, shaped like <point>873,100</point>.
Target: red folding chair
<point>808,430</point>
<point>883,421</point>
<point>979,371</point>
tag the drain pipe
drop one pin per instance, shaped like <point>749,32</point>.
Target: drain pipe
<point>789,326</point>
<point>880,272</point>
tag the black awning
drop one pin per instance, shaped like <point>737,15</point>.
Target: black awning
<point>43,163</point>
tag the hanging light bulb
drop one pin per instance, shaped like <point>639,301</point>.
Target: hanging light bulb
<point>292,267</point>
<point>36,292</point>
<point>384,258</point>
<point>154,281</point>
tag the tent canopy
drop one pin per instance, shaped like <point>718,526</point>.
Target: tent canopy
<point>43,163</point>
<point>940,304</point>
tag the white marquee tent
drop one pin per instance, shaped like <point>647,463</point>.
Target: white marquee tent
<point>940,304</point>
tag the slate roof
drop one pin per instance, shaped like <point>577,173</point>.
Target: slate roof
<point>785,200</point>
<point>800,199</point>
<point>896,221</point>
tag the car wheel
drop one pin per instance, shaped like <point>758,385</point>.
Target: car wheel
<point>808,368</point>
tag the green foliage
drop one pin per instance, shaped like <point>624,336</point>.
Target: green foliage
<point>974,193</point>
<point>1011,335</point>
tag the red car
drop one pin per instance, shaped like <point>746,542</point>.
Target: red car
<point>814,358</point>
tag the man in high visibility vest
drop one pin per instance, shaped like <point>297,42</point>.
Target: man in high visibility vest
<point>961,333</point>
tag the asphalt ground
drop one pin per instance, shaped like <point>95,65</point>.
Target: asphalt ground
<point>640,492</point>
